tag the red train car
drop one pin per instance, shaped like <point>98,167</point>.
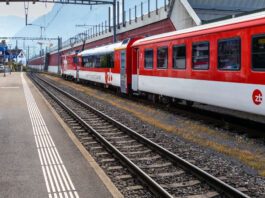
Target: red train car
<point>70,65</point>
<point>221,64</point>
<point>109,65</point>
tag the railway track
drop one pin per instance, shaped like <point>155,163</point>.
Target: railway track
<point>250,125</point>
<point>128,155</point>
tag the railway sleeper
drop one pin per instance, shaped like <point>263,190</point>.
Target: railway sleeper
<point>95,147</point>
<point>110,133</point>
<point>138,152</point>
<point>90,143</point>
<point>130,146</point>
<point>125,141</point>
<point>124,177</point>
<point>117,137</point>
<point>111,168</point>
<point>86,138</point>
<point>133,188</point>
<point>106,131</point>
<point>204,195</point>
<point>156,165</point>
<point>103,127</point>
<point>107,160</point>
<point>181,184</point>
<point>82,132</point>
<point>167,174</point>
<point>147,158</point>
<point>102,153</point>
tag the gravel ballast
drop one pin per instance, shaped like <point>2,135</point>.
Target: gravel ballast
<point>232,170</point>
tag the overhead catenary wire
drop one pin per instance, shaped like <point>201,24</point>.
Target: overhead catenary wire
<point>54,17</point>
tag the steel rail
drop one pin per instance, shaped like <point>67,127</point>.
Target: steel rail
<point>146,179</point>
<point>214,182</point>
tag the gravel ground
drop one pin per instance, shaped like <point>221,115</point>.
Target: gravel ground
<point>218,164</point>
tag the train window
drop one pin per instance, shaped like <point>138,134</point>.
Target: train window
<point>179,57</point>
<point>229,54</point>
<point>162,57</point>
<point>200,56</point>
<point>258,53</point>
<point>99,61</point>
<point>149,58</point>
<point>76,59</point>
<point>87,61</point>
<point>106,61</point>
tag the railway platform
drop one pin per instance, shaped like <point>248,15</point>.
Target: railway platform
<point>37,157</point>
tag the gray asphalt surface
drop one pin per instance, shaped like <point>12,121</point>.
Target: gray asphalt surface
<point>20,167</point>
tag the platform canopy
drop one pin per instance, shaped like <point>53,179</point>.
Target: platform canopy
<point>77,2</point>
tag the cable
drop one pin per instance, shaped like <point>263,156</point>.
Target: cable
<point>53,18</point>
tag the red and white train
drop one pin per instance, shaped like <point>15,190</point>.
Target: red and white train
<point>220,64</point>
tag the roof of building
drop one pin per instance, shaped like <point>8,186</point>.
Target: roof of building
<point>210,26</point>
<point>208,10</point>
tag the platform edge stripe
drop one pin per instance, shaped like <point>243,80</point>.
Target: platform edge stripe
<point>41,161</point>
<point>55,157</point>
<point>48,154</point>
<point>46,180</point>
<point>64,179</point>
<point>100,173</point>
<point>50,178</point>
<point>59,177</point>
<point>43,157</point>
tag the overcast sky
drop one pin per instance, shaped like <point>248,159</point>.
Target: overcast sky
<point>17,9</point>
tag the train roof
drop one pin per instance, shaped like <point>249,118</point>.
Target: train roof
<point>101,50</point>
<point>210,26</point>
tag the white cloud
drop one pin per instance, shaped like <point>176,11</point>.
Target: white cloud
<point>17,9</point>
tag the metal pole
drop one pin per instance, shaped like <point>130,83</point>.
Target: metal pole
<point>130,16</point>
<point>28,56</point>
<point>118,18</point>
<point>114,22</point>
<point>59,43</point>
<point>156,7</point>
<point>149,8</point>
<point>142,14</point>
<point>123,14</point>
<point>109,20</point>
<point>135,7</point>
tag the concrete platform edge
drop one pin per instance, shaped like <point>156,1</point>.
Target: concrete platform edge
<point>98,170</point>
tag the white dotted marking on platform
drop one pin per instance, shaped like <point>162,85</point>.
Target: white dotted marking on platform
<point>57,179</point>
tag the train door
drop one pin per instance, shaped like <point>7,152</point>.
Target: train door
<point>123,72</point>
<point>138,67</point>
<point>76,65</point>
<point>136,56</point>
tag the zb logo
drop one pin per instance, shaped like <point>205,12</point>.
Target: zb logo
<point>257,97</point>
